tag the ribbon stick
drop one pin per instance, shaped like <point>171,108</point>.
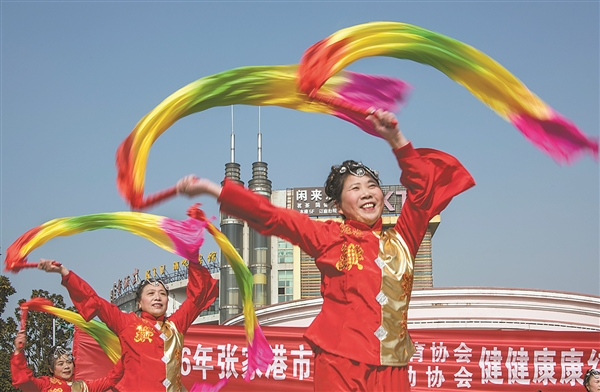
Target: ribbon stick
<point>156,198</point>
<point>24,310</point>
<point>23,265</point>
<point>485,78</point>
<point>260,86</point>
<point>183,238</point>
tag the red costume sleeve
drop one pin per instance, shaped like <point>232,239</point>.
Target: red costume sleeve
<point>90,305</point>
<point>202,290</point>
<point>106,383</point>
<point>432,178</point>
<point>268,219</point>
<point>21,374</point>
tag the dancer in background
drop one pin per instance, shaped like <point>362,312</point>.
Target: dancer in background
<point>360,337</point>
<point>591,380</point>
<point>151,342</point>
<point>62,367</point>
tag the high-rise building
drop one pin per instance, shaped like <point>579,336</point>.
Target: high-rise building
<point>259,255</point>
<point>233,228</point>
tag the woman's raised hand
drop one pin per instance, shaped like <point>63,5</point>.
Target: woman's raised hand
<point>20,341</point>
<point>386,124</point>
<point>52,266</point>
<point>194,186</point>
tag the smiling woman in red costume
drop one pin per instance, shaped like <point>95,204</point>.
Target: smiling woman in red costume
<point>360,338</point>
<point>151,342</point>
<point>62,367</point>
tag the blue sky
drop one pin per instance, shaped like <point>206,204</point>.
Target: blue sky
<point>77,76</point>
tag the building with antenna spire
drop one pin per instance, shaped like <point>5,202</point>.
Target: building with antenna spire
<point>233,228</point>
<point>259,257</point>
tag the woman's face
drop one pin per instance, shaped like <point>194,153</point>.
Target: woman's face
<point>594,384</point>
<point>63,367</point>
<point>361,199</point>
<point>154,299</point>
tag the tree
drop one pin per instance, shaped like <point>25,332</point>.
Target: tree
<point>8,331</point>
<point>6,290</point>
<point>44,332</point>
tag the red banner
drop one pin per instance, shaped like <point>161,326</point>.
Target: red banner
<point>446,360</point>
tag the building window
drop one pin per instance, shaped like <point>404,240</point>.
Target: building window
<point>285,286</point>
<point>310,277</point>
<point>285,251</point>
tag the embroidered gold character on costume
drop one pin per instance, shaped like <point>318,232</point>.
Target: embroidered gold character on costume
<point>143,333</point>
<point>403,324</point>
<point>351,255</point>
<point>406,282</point>
<point>178,382</point>
<point>345,229</point>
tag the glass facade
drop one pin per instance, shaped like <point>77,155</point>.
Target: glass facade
<point>285,252</point>
<point>285,286</point>
<point>230,301</point>
<point>260,266</point>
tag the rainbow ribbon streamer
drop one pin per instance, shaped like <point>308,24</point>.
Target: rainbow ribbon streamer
<point>98,330</point>
<point>481,75</point>
<point>258,85</point>
<point>183,238</point>
<point>260,354</point>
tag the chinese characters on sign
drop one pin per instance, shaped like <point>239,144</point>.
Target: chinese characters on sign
<point>500,367</point>
<point>229,360</point>
<point>129,282</point>
<point>445,360</point>
<point>491,361</point>
<point>313,201</point>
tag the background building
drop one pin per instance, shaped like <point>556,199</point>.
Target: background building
<point>467,308</point>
